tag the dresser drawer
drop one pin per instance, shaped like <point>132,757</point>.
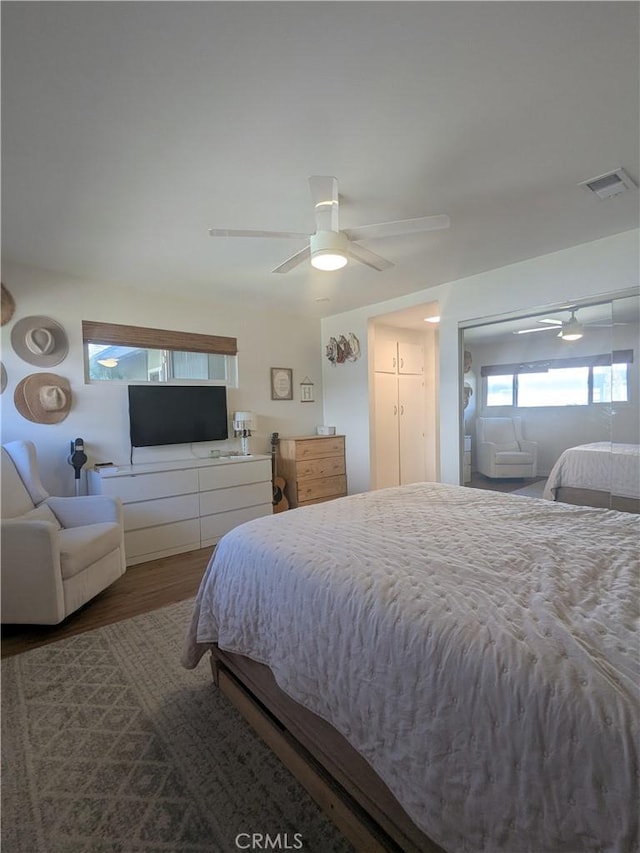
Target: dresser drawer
<point>315,468</point>
<point>236,497</point>
<point>142,487</point>
<point>325,488</point>
<point>234,474</point>
<point>316,448</point>
<point>161,511</point>
<point>180,535</point>
<point>213,527</point>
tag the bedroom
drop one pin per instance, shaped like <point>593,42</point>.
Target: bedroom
<point>114,170</point>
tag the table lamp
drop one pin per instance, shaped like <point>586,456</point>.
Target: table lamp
<point>244,423</point>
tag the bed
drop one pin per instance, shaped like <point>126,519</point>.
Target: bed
<point>476,652</point>
<point>602,474</point>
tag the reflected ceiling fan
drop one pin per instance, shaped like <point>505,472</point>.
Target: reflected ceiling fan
<point>568,330</point>
<point>329,248</point>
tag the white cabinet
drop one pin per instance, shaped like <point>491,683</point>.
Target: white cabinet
<point>179,506</point>
<point>392,356</point>
<point>399,413</point>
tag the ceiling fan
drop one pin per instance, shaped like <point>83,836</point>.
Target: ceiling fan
<point>329,248</point>
<point>568,330</point>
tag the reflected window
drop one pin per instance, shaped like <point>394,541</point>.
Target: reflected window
<point>611,384</point>
<point>593,379</point>
<point>500,390</point>
<point>567,386</point>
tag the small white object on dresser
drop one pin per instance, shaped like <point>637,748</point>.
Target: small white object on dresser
<point>177,506</point>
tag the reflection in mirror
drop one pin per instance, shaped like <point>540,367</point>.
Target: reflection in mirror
<point>534,387</point>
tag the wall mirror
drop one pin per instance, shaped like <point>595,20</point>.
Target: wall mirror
<point>567,376</point>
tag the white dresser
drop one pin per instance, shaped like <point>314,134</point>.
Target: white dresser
<point>176,506</point>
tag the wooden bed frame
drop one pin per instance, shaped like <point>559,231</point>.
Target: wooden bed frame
<point>342,783</point>
<point>593,497</point>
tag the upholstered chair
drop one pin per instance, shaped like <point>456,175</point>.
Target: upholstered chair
<point>502,452</point>
<point>57,553</point>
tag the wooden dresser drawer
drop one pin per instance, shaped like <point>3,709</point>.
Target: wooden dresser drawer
<point>315,468</point>
<point>328,487</point>
<point>317,448</point>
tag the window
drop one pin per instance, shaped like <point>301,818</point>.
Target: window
<point>116,353</point>
<point>560,382</point>
<point>611,384</point>
<point>500,390</point>
<point>566,386</point>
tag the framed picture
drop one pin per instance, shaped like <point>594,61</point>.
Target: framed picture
<point>281,383</point>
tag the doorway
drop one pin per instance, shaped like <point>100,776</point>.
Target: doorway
<point>403,398</point>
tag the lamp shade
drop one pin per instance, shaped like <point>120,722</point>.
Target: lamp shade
<point>244,422</point>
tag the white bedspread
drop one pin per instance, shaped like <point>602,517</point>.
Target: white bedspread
<point>601,465</point>
<point>479,649</point>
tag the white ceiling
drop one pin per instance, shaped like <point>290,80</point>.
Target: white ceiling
<point>131,128</point>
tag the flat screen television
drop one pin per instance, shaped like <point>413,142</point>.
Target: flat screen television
<point>177,414</point>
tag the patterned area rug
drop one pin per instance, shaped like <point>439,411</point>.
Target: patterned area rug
<point>110,746</point>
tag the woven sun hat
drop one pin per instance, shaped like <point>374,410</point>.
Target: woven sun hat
<point>40,341</point>
<point>3,377</point>
<point>7,306</point>
<point>44,398</point>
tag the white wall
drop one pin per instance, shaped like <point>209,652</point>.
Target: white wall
<point>602,267</point>
<point>99,412</point>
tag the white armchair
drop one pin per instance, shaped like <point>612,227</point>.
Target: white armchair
<point>502,451</point>
<point>57,553</point>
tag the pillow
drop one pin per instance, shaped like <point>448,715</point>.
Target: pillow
<point>40,513</point>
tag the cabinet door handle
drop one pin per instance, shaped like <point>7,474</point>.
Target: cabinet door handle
<point>402,362</point>
<point>394,361</point>
<point>395,410</point>
<point>402,410</point>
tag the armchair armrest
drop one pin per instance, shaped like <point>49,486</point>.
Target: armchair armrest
<point>529,446</point>
<point>31,578</point>
<point>90,509</point>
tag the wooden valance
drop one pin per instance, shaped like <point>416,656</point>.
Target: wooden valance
<point>623,356</point>
<point>139,336</point>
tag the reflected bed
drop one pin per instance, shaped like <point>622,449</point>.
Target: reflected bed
<point>478,651</point>
<point>601,474</point>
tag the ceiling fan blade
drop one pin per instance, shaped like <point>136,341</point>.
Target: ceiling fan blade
<point>294,260</point>
<point>538,329</point>
<point>230,232</point>
<point>324,192</point>
<point>398,227</point>
<point>365,256</point>
<point>550,321</point>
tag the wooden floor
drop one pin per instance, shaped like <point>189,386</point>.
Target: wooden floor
<point>498,484</point>
<point>144,587</point>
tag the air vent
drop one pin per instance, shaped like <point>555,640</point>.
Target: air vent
<point>613,183</point>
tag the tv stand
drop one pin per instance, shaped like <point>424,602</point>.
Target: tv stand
<point>177,506</point>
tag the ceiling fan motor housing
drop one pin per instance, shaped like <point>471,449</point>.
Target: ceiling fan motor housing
<point>329,244</point>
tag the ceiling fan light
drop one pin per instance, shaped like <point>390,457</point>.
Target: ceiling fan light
<point>328,250</point>
<point>573,334</point>
<point>328,261</point>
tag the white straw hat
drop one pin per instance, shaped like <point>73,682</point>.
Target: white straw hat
<point>40,341</point>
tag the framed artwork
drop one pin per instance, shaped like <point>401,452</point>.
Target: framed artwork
<point>281,383</point>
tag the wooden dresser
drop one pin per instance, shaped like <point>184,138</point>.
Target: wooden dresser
<point>313,467</point>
